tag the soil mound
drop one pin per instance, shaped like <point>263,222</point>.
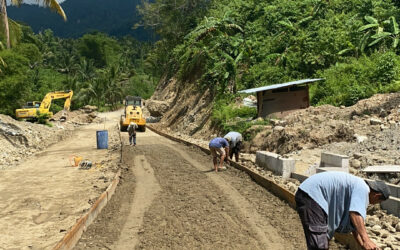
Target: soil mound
<point>317,126</point>
<point>19,139</point>
<point>84,115</point>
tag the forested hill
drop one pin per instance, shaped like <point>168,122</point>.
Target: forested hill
<point>115,18</point>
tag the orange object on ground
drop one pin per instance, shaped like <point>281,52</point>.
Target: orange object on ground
<point>75,160</point>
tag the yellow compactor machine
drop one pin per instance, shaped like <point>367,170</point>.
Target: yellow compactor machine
<point>133,113</point>
<point>32,109</point>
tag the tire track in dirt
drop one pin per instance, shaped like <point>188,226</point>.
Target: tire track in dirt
<point>146,189</point>
<point>267,235</point>
<point>195,208</point>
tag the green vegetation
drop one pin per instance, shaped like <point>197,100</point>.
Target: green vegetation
<point>101,70</point>
<point>223,46</point>
<point>43,118</point>
<point>229,117</point>
<point>239,44</point>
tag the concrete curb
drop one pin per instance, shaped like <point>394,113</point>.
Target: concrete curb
<point>280,192</point>
<point>74,234</point>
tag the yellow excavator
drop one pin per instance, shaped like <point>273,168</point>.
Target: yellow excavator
<point>133,113</point>
<point>32,109</point>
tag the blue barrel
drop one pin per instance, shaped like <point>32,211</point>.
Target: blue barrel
<point>102,139</point>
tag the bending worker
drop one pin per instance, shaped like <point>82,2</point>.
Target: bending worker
<point>235,144</point>
<point>219,146</point>
<point>337,201</point>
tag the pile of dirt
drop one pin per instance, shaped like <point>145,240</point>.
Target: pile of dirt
<point>367,132</point>
<point>317,126</point>
<point>19,139</point>
<point>82,116</point>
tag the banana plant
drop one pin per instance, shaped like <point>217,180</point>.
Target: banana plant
<point>381,34</point>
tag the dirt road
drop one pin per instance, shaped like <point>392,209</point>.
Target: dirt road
<point>43,196</point>
<point>170,198</point>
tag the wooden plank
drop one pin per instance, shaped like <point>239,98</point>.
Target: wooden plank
<point>75,233</point>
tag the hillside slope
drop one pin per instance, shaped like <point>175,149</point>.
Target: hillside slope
<point>183,108</point>
<point>112,17</point>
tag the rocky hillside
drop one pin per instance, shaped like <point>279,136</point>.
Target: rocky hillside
<point>182,108</point>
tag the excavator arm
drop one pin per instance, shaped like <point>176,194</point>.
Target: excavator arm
<point>46,103</point>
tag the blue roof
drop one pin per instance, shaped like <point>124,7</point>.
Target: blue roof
<point>280,85</point>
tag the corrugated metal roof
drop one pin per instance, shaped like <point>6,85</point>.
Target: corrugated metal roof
<point>280,85</point>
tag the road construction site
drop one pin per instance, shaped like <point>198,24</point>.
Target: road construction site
<point>42,194</point>
<point>171,198</point>
<point>168,196</point>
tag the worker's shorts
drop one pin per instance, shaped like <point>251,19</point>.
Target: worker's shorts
<point>217,151</point>
<point>236,149</point>
<point>314,220</point>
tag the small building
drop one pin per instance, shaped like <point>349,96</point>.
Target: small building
<point>279,99</point>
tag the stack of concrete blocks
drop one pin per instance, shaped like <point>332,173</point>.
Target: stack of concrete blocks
<point>333,162</point>
<point>275,163</point>
<point>392,205</point>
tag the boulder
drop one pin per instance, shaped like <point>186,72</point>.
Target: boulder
<point>355,163</point>
<point>89,108</point>
<point>152,119</point>
<point>375,121</point>
<point>278,128</point>
<point>157,108</point>
<point>398,227</point>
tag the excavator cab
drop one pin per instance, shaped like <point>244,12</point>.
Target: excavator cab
<point>32,105</point>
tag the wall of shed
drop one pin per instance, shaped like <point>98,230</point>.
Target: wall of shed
<point>279,104</point>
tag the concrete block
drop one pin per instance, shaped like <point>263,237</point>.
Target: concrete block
<point>394,190</point>
<point>324,169</point>
<point>275,163</point>
<point>334,160</point>
<point>392,205</point>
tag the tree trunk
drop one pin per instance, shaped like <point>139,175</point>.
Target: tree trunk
<point>6,28</point>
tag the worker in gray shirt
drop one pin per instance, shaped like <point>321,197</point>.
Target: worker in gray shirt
<point>235,144</point>
<point>332,202</point>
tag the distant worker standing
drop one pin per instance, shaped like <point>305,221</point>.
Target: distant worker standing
<point>332,202</point>
<point>132,133</point>
<point>219,146</point>
<point>235,144</point>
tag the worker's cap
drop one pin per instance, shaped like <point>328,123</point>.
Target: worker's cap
<point>132,123</point>
<point>227,137</point>
<point>380,187</point>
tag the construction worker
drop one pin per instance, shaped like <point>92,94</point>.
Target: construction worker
<point>332,202</point>
<point>219,146</point>
<point>132,133</point>
<point>235,144</point>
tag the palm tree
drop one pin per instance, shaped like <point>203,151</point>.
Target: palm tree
<point>52,4</point>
